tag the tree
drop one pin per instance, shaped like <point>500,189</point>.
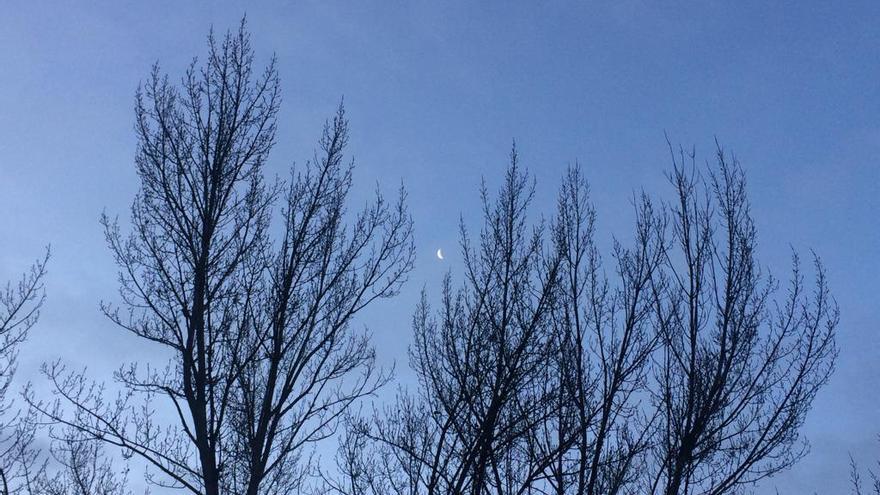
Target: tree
<point>293,392</point>
<point>83,467</point>
<point>364,467</point>
<point>855,477</point>
<point>738,369</point>
<point>480,360</point>
<point>20,304</point>
<point>604,330</point>
<point>263,360</point>
<point>679,374</point>
<point>479,363</point>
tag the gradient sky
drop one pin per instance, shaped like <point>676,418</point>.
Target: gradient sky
<point>436,92</point>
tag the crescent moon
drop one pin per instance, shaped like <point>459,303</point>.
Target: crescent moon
<point>440,254</point>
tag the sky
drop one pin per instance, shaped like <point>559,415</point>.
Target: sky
<point>436,93</point>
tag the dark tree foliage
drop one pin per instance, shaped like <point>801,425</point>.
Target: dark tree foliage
<point>739,366</point>
<point>262,360</point>
<point>21,468</point>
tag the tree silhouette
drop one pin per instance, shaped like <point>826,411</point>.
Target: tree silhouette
<point>83,467</point>
<point>678,374</point>
<point>479,360</point>
<point>261,357</point>
<point>605,341</point>
<point>858,485</point>
<point>738,369</point>
<point>21,468</point>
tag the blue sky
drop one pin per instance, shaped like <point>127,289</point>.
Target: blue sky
<point>436,92</point>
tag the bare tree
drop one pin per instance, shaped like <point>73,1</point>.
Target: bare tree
<point>855,477</point>
<point>293,391</point>
<point>479,362</point>
<point>681,374</point>
<point>364,467</point>
<point>20,465</point>
<point>262,360</point>
<point>82,467</point>
<point>605,340</point>
<point>739,369</point>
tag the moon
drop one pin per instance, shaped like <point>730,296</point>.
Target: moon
<point>440,254</point>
